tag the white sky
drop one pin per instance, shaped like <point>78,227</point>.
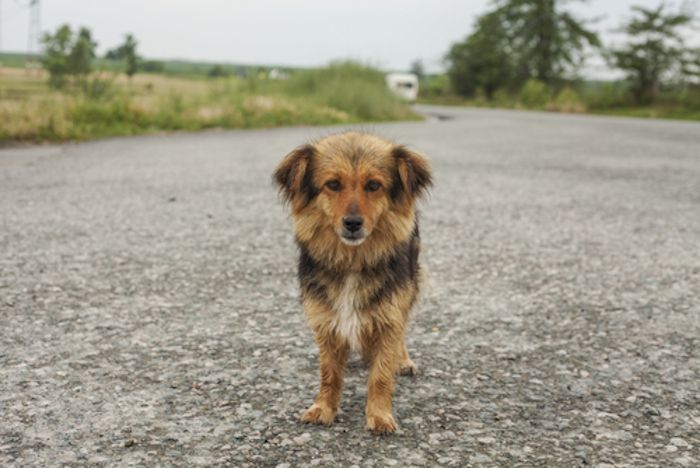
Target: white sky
<point>389,34</point>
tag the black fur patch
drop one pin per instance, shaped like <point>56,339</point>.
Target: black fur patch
<point>419,177</point>
<point>394,273</point>
<point>286,175</point>
<point>308,273</point>
<point>308,188</point>
<point>401,268</point>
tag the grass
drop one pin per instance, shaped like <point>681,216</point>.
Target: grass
<point>601,98</point>
<point>106,104</point>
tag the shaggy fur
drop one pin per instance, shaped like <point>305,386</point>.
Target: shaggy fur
<point>352,197</point>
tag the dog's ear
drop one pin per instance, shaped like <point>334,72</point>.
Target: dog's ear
<point>292,173</point>
<point>413,174</point>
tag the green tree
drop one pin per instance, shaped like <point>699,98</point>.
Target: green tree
<point>484,60</point>
<point>66,56</point>
<point>520,39</point>
<point>418,69</point>
<point>128,52</point>
<point>217,71</point>
<point>548,42</point>
<point>55,57</point>
<point>655,50</point>
<point>81,54</point>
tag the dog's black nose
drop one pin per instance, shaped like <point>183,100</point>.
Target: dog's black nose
<point>353,223</point>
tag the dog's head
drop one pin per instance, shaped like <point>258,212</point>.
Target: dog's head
<point>352,184</point>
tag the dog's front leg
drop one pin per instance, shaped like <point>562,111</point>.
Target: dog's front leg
<point>333,355</point>
<point>384,358</point>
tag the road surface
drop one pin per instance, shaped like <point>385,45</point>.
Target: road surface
<point>150,317</point>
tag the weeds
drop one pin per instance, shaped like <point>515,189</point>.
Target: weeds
<point>106,105</point>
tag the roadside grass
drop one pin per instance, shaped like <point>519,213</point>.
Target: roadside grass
<point>105,104</point>
<point>591,98</point>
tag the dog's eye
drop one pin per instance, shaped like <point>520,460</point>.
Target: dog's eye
<point>333,184</point>
<point>373,185</point>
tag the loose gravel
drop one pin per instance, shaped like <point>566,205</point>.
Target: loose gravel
<point>150,316</point>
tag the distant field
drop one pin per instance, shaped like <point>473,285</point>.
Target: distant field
<point>180,68</point>
<point>108,104</point>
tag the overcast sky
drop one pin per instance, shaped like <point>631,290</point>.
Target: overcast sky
<point>389,34</point>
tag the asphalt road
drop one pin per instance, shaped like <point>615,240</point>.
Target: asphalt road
<point>149,312</point>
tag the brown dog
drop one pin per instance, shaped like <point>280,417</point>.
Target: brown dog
<point>353,199</point>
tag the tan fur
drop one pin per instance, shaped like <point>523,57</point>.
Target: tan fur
<point>356,297</point>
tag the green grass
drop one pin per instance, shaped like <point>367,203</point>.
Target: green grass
<point>601,98</point>
<point>106,105</point>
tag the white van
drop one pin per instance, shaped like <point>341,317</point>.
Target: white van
<point>404,85</point>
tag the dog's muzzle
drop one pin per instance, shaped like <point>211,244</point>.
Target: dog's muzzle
<point>352,232</point>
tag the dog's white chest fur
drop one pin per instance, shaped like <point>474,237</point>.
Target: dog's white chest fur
<point>348,319</point>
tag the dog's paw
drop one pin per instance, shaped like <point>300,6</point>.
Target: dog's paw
<point>407,367</point>
<point>381,424</point>
<point>319,414</point>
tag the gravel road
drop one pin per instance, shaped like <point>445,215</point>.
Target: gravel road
<point>149,309</point>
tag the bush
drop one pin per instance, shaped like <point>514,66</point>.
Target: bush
<point>501,98</point>
<point>567,100</point>
<point>535,94</point>
<point>350,87</point>
<point>152,66</point>
<point>690,98</point>
<point>608,96</point>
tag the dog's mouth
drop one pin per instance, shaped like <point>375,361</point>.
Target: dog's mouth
<point>352,238</point>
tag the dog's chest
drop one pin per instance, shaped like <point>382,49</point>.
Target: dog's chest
<point>348,318</point>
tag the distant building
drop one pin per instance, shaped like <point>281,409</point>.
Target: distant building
<point>275,74</point>
<point>404,85</point>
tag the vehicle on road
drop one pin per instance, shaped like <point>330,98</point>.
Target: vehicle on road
<point>404,85</point>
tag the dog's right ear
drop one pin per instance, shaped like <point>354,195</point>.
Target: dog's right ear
<point>291,173</point>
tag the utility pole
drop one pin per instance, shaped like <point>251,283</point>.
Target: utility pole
<point>34,31</point>
<point>0,36</point>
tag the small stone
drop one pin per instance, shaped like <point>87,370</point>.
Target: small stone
<point>129,443</point>
<point>486,440</point>
<point>585,375</point>
<point>283,465</point>
<point>678,442</point>
<point>302,439</point>
<point>686,461</point>
<point>671,448</point>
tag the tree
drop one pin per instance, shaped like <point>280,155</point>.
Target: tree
<point>55,56</point>
<point>548,42</point>
<point>484,60</point>
<point>128,52</point>
<point>153,66</point>
<point>418,69</point>
<point>217,71</point>
<point>82,53</point>
<point>63,56</point>
<point>655,50</point>
<point>521,39</point>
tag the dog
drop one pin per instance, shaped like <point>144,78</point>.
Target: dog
<point>353,201</point>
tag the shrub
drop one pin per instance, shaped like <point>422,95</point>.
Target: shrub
<point>567,100</point>
<point>535,94</point>
<point>349,87</point>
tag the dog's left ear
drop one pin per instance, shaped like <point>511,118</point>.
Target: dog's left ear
<point>413,172</point>
<point>290,173</point>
